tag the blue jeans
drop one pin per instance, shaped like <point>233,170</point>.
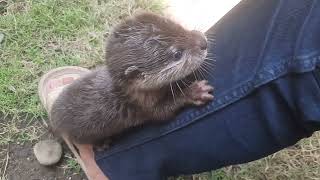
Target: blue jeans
<point>267,97</point>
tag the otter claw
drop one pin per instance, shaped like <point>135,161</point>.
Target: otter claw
<point>207,96</point>
<point>200,92</point>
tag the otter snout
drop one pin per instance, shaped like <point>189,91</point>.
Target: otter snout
<point>200,40</point>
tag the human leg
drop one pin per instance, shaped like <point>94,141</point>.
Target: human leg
<point>267,97</point>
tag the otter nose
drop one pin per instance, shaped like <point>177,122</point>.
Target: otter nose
<point>200,40</point>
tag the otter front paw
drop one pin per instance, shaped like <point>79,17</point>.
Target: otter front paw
<point>199,93</point>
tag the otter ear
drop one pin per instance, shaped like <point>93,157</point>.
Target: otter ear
<point>132,71</point>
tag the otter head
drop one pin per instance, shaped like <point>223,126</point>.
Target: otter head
<point>152,51</point>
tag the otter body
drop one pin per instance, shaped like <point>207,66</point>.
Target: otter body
<point>146,57</point>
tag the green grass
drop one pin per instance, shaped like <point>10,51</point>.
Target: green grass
<point>41,35</point>
<point>71,165</point>
<point>44,34</point>
<point>299,162</point>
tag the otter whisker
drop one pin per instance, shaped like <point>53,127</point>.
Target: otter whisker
<point>185,84</point>
<point>174,100</point>
<point>211,53</point>
<point>210,38</point>
<point>211,56</point>
<point>195,75</point>
<point>210,59</point>
<point>180,88</point>
<point>208,64</point>
<point>201,73</point>
<point>198,75</point>
<point>204,68</point>
<point>170,66</point>
<point>206,71</point>
<point>213,41</point>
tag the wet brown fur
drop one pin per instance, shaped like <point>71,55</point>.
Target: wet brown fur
<point>135,86</point>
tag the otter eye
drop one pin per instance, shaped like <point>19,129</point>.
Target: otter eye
<point>177,55</point>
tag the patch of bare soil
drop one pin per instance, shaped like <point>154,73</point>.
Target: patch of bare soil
<point>22,165</point>
<point>17,160</point>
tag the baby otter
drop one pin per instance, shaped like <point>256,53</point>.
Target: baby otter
<point>145,56</point>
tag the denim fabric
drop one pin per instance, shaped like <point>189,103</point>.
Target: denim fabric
<point>267,97</point>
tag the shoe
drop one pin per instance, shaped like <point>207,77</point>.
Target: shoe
<point>50,86</point>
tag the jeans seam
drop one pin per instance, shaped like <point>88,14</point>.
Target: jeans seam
<point>303,26</point>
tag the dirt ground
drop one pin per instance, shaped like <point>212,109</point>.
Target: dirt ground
<point>22,165</point>
<point>17,160</point>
